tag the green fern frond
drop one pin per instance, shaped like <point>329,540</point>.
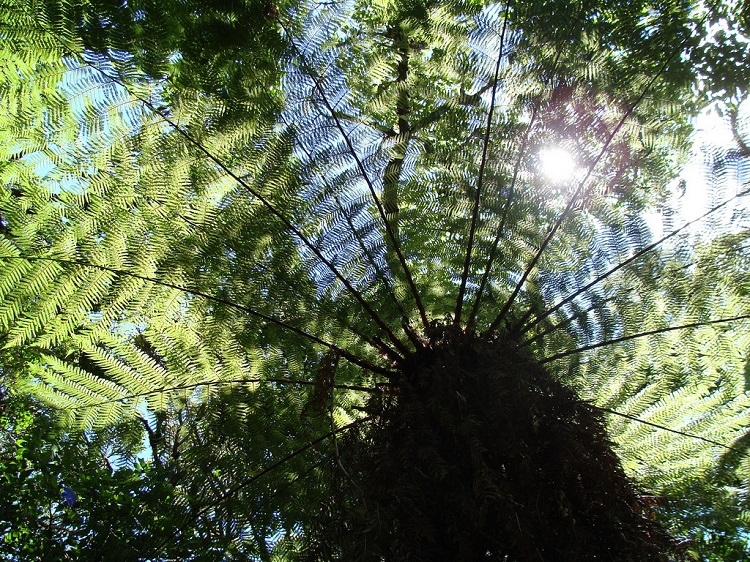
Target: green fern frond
<point>262,231</point>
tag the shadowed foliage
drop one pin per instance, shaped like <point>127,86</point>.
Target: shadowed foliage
<point>268,258</point>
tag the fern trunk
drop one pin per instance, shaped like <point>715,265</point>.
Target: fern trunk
<point>478,454</point>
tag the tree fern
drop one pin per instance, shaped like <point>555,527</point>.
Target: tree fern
<point>311,248</point>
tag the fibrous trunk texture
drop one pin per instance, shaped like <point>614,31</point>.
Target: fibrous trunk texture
<point>480,455</point>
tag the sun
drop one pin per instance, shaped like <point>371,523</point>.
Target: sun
<point>556,164</point>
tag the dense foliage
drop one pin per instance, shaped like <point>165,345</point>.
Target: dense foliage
<point>294,281</point>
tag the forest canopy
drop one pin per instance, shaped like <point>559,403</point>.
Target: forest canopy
<point>374,280</point>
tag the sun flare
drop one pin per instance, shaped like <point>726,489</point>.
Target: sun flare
<point>556,164</point>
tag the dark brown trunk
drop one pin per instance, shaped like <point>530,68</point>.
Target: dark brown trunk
<point>481,455</point>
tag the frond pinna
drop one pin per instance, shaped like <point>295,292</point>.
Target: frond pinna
<point>316,249</point>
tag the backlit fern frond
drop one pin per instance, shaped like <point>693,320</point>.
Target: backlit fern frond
<point>316,251</point>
